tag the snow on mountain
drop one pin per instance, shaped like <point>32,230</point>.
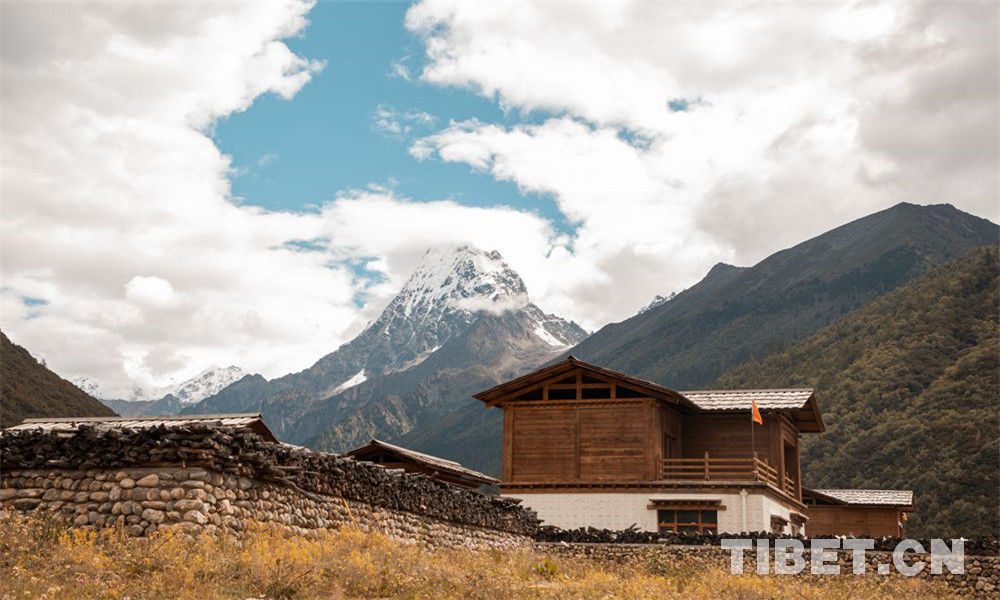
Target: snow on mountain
<point>190,391</point>
<point>357,379</point>
<point>451,285</point>
<point>206,383</point>
<point>459,278</point>
<point>657,301</point>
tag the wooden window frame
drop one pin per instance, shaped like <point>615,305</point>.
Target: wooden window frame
<point>673,526</point>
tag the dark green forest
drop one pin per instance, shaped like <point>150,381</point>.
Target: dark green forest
<point>909,388</point>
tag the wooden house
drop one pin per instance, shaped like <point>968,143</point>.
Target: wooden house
<point>587,446</point>
<point>397,457</point>
<point>862,513</point>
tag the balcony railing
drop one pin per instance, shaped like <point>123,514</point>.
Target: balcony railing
<point>727,469</point>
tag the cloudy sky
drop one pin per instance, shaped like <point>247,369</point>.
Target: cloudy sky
<point>188,185</point>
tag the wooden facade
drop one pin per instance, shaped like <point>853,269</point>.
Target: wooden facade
<point>867,513</point>
<point>584,445</point>
<point>575,424</point>
<point>860,521</point>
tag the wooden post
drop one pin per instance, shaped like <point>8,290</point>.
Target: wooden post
<point>756,473</point>
<point>706,465</point>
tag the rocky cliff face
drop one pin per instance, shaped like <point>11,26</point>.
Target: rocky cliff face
<point>463,319</point>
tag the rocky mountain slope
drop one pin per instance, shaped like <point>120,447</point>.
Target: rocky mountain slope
<point>736,313</point>
<point>462,320</point>
<point>29,389</point>
<point>908,386</point>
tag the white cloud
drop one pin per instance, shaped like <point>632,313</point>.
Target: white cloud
<point>396,123</point>
<point>151,291</point>
<point>681,134</point>
<point>116,203</point>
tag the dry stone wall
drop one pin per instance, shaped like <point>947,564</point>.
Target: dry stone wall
<point>207,478</point>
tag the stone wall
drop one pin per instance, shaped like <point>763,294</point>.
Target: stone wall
<point>142,500</point>
<point>981,578</point>
<point>212,478</point>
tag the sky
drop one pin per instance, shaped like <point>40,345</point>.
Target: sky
<point>189,185</point>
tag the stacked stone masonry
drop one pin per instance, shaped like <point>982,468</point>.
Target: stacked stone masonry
<point>207,478</point>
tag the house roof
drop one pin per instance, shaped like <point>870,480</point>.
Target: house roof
<point>799,403</point>
<point>776,399</point>
<point>571,363</point>
<point>447,467</point>
<point>903,498</point>
<point>71,424</point>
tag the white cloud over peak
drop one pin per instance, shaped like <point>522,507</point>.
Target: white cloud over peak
<point>679,134</point>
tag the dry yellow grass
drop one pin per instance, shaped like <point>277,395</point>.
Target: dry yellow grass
<point>40,558</point>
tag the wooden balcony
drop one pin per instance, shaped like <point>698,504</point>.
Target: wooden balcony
<point>728,470</point>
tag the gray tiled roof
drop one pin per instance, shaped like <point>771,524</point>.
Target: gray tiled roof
<point>777,399</point>
<point>886,497</point>
<point>70,424</point>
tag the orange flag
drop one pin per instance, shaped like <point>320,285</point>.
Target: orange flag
<point>755,415</point>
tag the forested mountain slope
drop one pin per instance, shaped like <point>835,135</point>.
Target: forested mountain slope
<point>909,387</point>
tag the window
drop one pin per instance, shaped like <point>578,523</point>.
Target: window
<point>558,394</point>
<point>596,393</point>
<point>690,521</point>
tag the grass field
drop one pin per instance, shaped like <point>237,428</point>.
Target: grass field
<point>40,558</point>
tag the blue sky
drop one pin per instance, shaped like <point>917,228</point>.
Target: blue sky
<point>296,154</point>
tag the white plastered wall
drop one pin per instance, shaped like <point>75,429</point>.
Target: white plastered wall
<point>618,511</point>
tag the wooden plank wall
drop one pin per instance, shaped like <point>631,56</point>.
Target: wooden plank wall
<point>612,443</point>
<point>859,520</point>
<point>578,443</point>
<point>727,436</point>
<point>543,444</point>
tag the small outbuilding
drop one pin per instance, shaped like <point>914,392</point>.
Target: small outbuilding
<point>862,513</point>
<point>397,457</point>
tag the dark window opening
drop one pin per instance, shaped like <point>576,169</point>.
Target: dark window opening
<point>689,521</point>
<point>571,380</point>
<point>594,393</point>
<point>589,379</point>
<point>562,394</point>
<point>535,394</point>
<point>624,392</point>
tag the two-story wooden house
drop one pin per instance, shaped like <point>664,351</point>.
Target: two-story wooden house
<point>587,446</point>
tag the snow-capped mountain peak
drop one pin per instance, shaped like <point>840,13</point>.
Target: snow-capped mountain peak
<point>461,278</point>
<point>205,384</point>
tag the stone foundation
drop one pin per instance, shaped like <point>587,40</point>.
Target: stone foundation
<point>142,500</point>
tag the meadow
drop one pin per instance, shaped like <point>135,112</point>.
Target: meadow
<point>41,558</point>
